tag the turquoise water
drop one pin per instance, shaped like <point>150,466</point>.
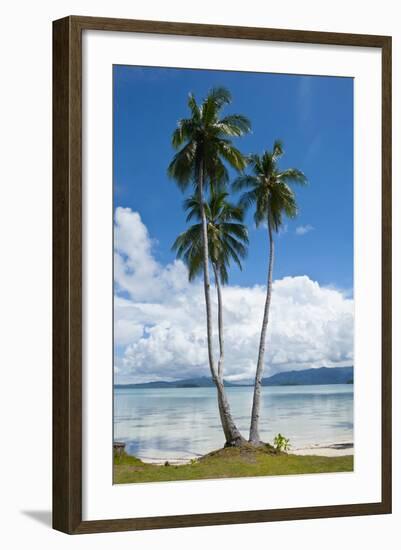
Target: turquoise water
<point>184,422</point>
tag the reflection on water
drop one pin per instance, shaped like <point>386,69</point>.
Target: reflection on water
<point>183,422</point>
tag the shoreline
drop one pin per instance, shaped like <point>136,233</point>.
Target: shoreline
<point>227,462</point>
<point>328,450</point>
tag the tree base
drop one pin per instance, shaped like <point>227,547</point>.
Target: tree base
<point>236,442</point>
<point>244,443</point>
<point>245,446</point>
<point>257,443</point>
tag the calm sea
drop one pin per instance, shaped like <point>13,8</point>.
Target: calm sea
<point>173,423</point>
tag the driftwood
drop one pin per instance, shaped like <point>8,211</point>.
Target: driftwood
<point>118,448</point>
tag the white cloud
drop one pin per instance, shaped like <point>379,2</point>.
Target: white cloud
<point>303,229</point>
<point>160,318</point>
<point>135,269</point>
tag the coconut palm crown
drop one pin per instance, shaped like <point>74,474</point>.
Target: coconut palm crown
<point>204,141</point>
<point>227,235</point>
<point>267,188</point>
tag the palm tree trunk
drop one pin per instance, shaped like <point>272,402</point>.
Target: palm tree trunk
<point>220,365</point>
<point>221,350</point>
<point>254,429</point>
<point>231,432</point>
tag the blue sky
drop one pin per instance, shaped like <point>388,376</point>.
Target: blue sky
<point>159,317</point>
<point>312,115</point>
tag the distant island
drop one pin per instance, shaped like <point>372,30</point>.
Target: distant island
<point>307,377</point>
<point>311,377</point>
<point>202,382</point>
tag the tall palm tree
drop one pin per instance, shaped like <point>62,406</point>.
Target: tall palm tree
<point>205,150</point>
<point>267,188</point>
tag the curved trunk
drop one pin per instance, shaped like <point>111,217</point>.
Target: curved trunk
<point>254,429</point>
<point>231,432</point>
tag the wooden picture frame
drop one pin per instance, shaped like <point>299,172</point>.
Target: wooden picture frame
<point>67,274</point>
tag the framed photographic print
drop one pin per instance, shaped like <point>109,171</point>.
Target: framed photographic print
<point>222,275</point>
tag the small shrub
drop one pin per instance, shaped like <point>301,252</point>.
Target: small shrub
<point>281,443</point>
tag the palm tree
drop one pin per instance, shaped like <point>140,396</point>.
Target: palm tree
<point>227,240</point>
<point>205,150</point>
<point>267,188</point>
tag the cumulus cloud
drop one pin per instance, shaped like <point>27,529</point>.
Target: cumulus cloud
<point>160,318</point>
<point>303,229</point>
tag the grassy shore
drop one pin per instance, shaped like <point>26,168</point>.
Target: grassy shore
<point>230,462</point>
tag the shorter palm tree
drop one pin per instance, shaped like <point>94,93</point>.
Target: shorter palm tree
<point>227,240</point>
<point>227,235</point>
<point>267,189</point>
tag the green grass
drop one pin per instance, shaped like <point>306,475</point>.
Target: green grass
<point>230,462</point>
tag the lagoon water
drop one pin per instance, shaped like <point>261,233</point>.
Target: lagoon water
<point>182,423</point>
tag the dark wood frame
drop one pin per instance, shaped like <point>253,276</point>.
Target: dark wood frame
<point>67,274</point>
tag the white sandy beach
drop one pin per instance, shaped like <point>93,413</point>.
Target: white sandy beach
<point>172,461</point>
<point>330,450</point>
<point>335,449</point>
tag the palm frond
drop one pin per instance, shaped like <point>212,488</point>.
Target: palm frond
<point>195,266</point>
<point>213,103</point>
<point>293,175</point>
<point>235,229</point>
<point>222,273</point>
<point>233,125</point>
<point>187,239</point>
<point>233,254</point>
<point>182,167</point>
<point>232,155</point>
<point>254,161</point>
<point>185,131</point>
<point>219,96</point>
<point>216,171</point>
<point>267,165</point>
<point>248,199</point>
<point>244,182</point>
<point>278,150</point>
<point>194,108</point>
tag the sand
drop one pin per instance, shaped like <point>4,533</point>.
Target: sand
<point>334,449</point>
